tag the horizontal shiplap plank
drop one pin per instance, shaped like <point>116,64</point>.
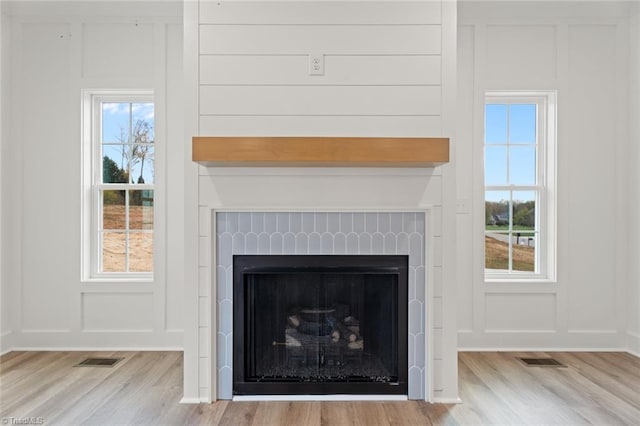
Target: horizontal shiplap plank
<point>382,126</point>
<point>320,12</point>
<point>356,70</point>
<point>320,100</point>
<point>328,39</point>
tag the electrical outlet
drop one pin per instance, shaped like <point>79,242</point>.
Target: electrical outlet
<point>316,64</point>
<point>462,206</point>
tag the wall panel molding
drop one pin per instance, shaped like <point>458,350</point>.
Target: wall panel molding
<point>579,55</point>
<point>327,39</point>
<point>50,46</point>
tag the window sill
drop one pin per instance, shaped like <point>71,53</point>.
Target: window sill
<point>120,286</point>
<point>119,279</point>
<point>494,279</point>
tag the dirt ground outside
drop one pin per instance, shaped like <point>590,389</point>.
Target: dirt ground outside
<point>497,255</point>
<point>140,239</point>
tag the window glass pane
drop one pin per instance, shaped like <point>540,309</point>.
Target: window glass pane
<point>141,209</point>
<point>524,256</point>
<point>113,210</point>
<point>114,164</point>
<point>141,251</point>
<point>495,124</point>
<point>113,252</point>
<point>524,210</point>
<point>497,211</point>
<point>522,123</point>
<point>496,251</point>
<point>522,165</point>
<point>115,122</point>
<point>495,165</point>
<point>142,122</point>
<point>142,164</point>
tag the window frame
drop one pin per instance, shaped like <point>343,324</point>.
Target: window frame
<point>545,185</point>
<point>92,213</point>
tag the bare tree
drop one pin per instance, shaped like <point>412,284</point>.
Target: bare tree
<point>142,148</point>
<point>136,148</point>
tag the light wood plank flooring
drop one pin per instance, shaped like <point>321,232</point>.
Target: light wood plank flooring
<point>144,388</point>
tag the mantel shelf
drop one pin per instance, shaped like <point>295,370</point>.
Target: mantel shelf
<point>320,151</point>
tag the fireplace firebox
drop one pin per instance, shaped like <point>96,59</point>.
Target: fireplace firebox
<point>319,325</point>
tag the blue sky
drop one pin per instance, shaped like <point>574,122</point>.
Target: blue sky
<point>510,152</point>
<point>116,119</point>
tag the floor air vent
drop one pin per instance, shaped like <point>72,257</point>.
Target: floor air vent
<point>99,362</point>
<point>542,362</point>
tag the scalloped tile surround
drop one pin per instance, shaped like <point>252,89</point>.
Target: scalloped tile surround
<point>321,233</point>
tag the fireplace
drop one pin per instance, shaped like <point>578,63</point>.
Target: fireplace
<point>320,324</point>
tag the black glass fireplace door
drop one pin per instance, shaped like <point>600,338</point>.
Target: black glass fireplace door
<point>320,325</point>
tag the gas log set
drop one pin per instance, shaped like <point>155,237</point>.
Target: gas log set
<point>323,336</point>
<point>325,344</point>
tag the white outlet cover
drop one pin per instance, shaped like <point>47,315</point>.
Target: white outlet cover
<point>316,64</point>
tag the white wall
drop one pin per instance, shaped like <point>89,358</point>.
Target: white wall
<point>633,297</point>
<point>389,71</point>
<point>581,51</point>
<point>56,50</point>
<point>5,326</point>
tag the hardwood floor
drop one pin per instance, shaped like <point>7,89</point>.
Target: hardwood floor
<point>145,387</point>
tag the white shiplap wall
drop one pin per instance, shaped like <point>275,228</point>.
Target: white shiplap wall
<point>382,60</point>
<point>385,75</point>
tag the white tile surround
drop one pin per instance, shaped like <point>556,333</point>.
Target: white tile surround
<point>322,233</point>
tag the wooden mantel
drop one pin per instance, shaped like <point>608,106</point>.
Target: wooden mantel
<point>320,151</point>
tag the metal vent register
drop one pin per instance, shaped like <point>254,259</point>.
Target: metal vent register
<point>542,362</point>
<point>99,362</point>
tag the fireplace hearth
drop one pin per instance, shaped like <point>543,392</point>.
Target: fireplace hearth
<point>325,324</point>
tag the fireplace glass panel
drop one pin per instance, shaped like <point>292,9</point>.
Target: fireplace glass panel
<point>322,325</point>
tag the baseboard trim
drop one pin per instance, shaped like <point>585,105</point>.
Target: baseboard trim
<point>576,340</point>
<point>446,401</point>
<point>80,340</point>
<point>99,349</point>
<point>537,349</point>
<point>633,343</point>
<point>6,342</point>
<point>186,400</point>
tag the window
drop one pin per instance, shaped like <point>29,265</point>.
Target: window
<point>519,172</point>
<point>120,172</point>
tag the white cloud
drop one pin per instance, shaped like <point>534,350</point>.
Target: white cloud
<point>144,111</point>
<point>114,108</point>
